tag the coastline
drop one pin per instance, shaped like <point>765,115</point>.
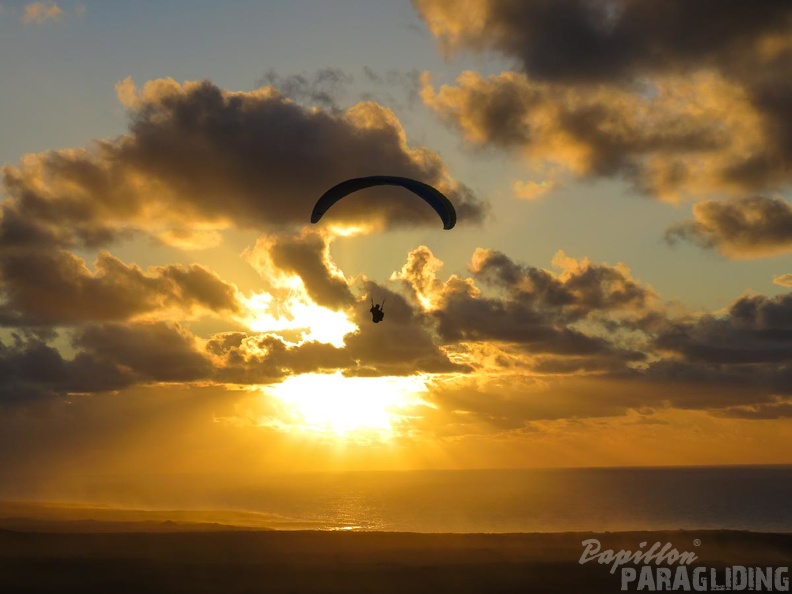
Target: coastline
<point>72,547</point>
<point>254,560</point>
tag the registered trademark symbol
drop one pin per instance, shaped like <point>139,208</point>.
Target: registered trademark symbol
<point>696,543</point>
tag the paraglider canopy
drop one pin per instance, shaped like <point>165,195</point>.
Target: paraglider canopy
<point>432,196</point>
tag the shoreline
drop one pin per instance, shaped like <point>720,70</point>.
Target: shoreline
<point>288,561</point>
<point>88,548</point>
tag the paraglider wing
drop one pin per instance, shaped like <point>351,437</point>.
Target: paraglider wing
<point>433,197</point>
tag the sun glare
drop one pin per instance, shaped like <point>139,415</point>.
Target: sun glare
<point>348,230</point>
<point>314,321</point>
<point>332,403</point>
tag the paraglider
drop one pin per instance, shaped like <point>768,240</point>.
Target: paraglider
<point>377,312</point>
<point>441,205</point>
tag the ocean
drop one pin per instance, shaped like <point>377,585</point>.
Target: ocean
<point>547,500</point>
<point>757,498</point>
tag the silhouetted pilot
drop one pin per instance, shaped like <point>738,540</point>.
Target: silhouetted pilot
<point>376,313</point>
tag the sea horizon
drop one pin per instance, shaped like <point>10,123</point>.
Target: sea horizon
<point>594,499</point>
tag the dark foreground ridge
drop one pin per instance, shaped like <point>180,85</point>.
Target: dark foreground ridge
<point>344,562</point>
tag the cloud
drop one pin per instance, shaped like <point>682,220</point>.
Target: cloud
<point>532,190</point>
<point>327,88</point>
<point>120,339</point>
<point>29,369</point>
<point>301,278</point>
<point>107,357</point>
<point>307,256</point>
<point>580,41</point>
<point>747,347</point>
<point>408,347</point>
<point>783,280</point>
<point>740,228</point>
<point>583,288</point>
<point>250,358</point>
<point>39,12</point>
<point>508,346</point>
<point>322,88</point>
<point>199,161</point>
<point>32,371</point>
<point>596,325</point>
<point>512,389</point>
<point>153,352</point>
<point>589,331</point>
<point>779,408</point>
<point>199,156</point>
<point>56,287</point>
<point>715,341</point>
<point>648,135</point>
<point>680,99</point>
<point>536,313</point>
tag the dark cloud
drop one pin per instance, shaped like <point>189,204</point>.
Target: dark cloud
<point>678,97</point>
<point>756,329</point>
<point>249,358</point>
<point>587,341</point>
<point>584,288</point>
<point>398,88</point>
<point>778,409</point>
<point>32,371</point>
<point>329,88</point>
<point>408,346</point>
<point>465,317</point>
<point>499,401</point>
<point>158,352</point>
<point>738,359</point>
<point>109,357</point>
<point>198,160</point>
<point>392,77</point>
<point>609,360</point>
<point>741,228</point>
<point>306,255</point>
<point>699,385</point>
<point>404,346</point>
<point>64,199</point>
<point>553,347</point>
<point>645,136</point>
<point>594,321</point>
<point>535,313</point>
<point>122,352</point>
<point>323,88</point>
<point>56,287</point>
<point>536,306</point>
<point>611,40</point>
<point>200,156</point>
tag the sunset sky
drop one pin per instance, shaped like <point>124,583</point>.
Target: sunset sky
<point>616,290</point>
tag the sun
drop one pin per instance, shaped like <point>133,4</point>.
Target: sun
<point>347,406</point>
